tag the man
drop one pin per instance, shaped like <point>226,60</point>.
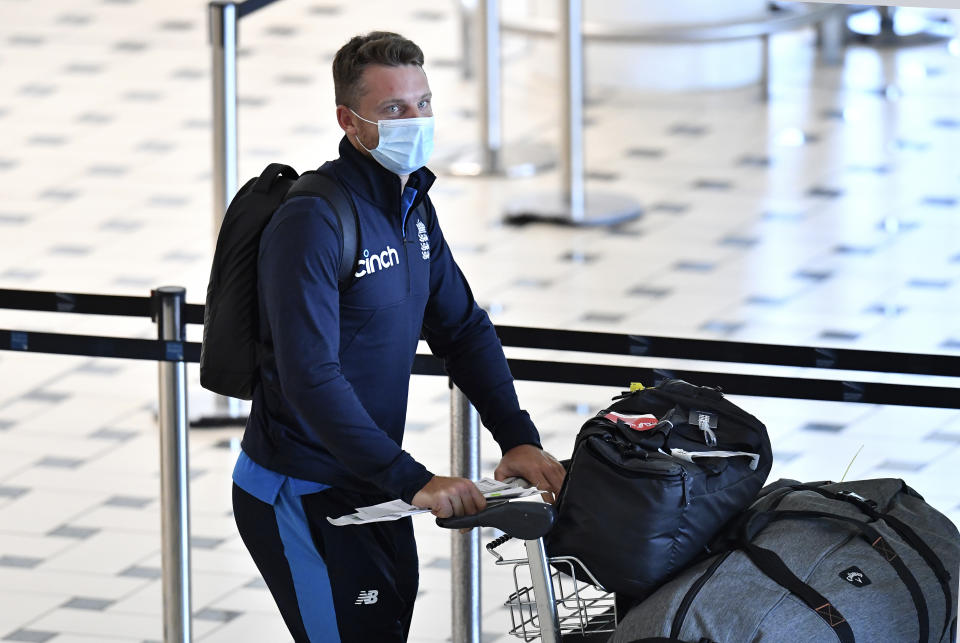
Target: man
<point>328,413</point>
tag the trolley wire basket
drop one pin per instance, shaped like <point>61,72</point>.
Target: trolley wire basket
<point>582,609</point>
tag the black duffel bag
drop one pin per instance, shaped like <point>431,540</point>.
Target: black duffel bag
<point>652,479</point>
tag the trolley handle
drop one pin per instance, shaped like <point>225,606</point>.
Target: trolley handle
<point>522,520</point>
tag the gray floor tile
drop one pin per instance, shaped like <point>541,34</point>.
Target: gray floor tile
<point>57,462</point>
<point>138,571</point>
<point>30,636</point>
<point>93,604</point>
<point>26,562</point>
<point>130,502</point>
<point>218,615</point>
<point>68,531</point>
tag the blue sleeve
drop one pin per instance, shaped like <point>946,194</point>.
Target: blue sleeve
<point>460,332</point>
<point>298,265</point>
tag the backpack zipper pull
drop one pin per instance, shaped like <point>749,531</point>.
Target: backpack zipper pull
<point>709,437</point>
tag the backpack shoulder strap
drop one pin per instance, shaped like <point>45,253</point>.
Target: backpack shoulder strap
<point>319,184</point>
<point>426,212</point>
<point>271,174</point>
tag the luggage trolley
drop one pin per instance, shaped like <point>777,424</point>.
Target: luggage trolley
<point>555,599</point>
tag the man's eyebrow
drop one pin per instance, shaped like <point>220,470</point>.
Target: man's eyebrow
<point>390,101</point>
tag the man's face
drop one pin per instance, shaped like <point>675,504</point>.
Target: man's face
<point>386,93</point>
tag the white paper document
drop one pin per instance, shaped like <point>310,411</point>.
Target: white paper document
<point>397,509</point>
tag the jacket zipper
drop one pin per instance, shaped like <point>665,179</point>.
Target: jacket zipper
<point>406,253</point>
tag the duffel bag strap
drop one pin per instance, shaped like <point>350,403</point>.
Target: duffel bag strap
<point>905,532</point>
<point>869,534</point>
<point>771,565</point>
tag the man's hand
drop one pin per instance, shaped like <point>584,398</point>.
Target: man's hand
<point>446,497</point>
<point>535,466</point>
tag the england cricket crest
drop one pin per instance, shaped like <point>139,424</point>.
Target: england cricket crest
<point>424,239</point>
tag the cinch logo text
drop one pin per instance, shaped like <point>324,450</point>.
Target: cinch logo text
<point>371,263</point>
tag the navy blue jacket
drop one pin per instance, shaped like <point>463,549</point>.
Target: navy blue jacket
<point>331,402</point>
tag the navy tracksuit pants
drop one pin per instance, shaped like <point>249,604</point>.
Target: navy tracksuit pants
<point>354,584</point>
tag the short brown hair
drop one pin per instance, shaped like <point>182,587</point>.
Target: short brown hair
<point>375,48</point>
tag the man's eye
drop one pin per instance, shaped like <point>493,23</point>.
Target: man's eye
<point>423,104</point>
<point>393,109</point>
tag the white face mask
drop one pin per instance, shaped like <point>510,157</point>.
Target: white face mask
<point>405,143</point>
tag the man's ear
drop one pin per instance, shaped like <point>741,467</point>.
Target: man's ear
<point>345,120</point>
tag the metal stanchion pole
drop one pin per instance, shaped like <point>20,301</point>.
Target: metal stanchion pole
<point>571,122</point>
<point>490,157</point>
<point>465,551</point>
<point>223,39</point>
<point>765,64</point>
<point>466,41</point>
<point>174,469</point>
<point>491,127</point>
<point>572,204</point>
<point>832,34</point>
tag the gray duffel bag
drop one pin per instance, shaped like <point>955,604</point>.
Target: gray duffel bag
<point>865,561</point>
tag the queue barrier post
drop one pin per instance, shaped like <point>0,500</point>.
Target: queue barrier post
<point>174,468</point>
<point>223,16</point>
<point>465,549</point>
<point>572,204</point>
<point>491,157</point>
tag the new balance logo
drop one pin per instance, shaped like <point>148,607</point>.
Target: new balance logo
<point>371,263</point>
<point>367,597</point>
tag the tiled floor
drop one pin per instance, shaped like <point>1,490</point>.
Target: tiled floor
<point>827,216</point>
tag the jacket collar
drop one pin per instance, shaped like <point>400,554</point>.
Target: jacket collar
<point>367,178</point>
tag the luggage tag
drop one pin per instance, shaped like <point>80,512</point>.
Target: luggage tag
<point>636,422</point>
<point>706,422</point>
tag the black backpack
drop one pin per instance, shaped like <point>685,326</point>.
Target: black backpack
<point>653,478</point>
<point>229,356</point>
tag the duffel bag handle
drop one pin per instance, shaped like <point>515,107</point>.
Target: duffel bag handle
<point>761,519</point>
<point>904,531</point>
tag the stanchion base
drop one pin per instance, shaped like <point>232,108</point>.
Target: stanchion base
<point>519,159</point>
<point>600,208</point>
<point>218,422</point>
<point>907,28</point>
<point>211,411</point>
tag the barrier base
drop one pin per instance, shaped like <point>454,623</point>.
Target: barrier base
<point>519,159</point>
<point>901,27</point>
<point>218,422</point>
<point>212,411</point>
<point>600,209</point>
